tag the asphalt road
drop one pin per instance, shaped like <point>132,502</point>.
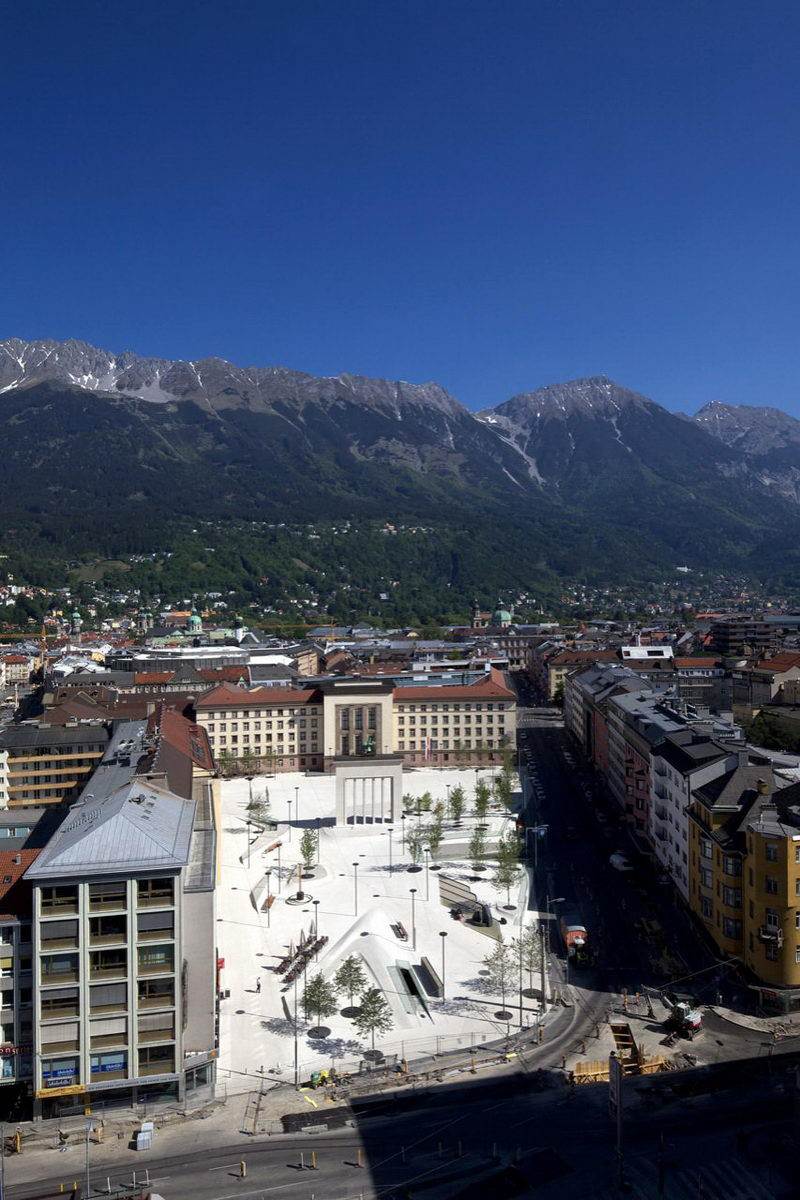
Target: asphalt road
<point>498,1135</point>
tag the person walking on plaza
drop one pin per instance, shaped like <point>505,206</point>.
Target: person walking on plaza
<point>258,987</point>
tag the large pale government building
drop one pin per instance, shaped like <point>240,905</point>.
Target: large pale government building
<point>308,728</point>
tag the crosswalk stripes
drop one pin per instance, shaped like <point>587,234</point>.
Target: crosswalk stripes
<point>727,1179</point>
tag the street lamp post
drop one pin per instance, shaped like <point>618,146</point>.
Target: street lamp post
<point>280,874</point>
<point>248,823</point>
<point>296,1061</point>
<point>297,804</point>
<point>269,897</point>
<point>403,819</point>
<point>389,831</point>
<point>289,802</point>
<point>413,919</point>
<point>88,1127</point>
<point>355,887</point>
<point>549,902</point>
<point>443,936</point>
<point>316,921</point>
<point>427,851</point>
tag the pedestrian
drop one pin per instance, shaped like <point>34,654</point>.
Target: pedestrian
<point>258,987</point>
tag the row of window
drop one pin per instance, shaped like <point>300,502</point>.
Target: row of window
<point>60,899</point>
<point>63,1002</point>
<point>64,1071</point>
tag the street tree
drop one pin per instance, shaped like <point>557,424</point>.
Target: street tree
<point>415,840</point>
<point>456,803</point>
<point>528,949</point>
<point>477,849</point>
<point>258,808</point>
<point>320,998</point>
<point>374,1015</point>
<point>503,790</point>
<point>500,965</point>
<point>350,978</point>
<point>482,796</point>
<point>433,837</point>
<point>507,869</point>
<point>308,849</point>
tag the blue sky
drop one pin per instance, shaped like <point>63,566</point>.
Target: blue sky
<point>495,196</point>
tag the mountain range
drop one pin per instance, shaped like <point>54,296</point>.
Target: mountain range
<point>108,454</point>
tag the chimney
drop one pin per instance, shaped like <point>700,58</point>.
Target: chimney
<point>17,860</point>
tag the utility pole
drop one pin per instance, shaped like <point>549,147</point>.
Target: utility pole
<point>543,1009</point>
<point>88,1127</point>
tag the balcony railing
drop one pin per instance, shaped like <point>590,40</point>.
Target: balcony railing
<point>158,1068</point>
<point>156,901</point>
<point>156,1035</point>
<point>63,943</point>
<point>59,1047</point>
<point>116,904</point>
<point>110,970</point>
<point>55,1014</point>
<point>156,968</point>
<point>769,933</point>
<point>108,939</point>
<point>59,977</point>
<point>661,812</point>
<point>156,935</point>
<point>167,1001</point>
<point>59,907</point>
<point>103,1040</point>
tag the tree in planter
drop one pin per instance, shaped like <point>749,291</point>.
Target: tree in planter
<point>308,849</point>
<point>258,808</point>
<point>482,797</point>
<point>374,1015</point>
<point>247,763</point>
<point>350,978</point>
<point>456,803</point>
<point>528,949</point>
<point>424,803</point>
<point>502,790</point>
<point>320,999</point>
<point>500,965</point>
<point>415,840</point>
<point>477,849</point>
<point>408,802</point>
<point>507,870</point>
<point>433,837</point>
<point>226,764</point>
<point>438,812</point>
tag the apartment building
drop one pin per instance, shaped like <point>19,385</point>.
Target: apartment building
<point>586,696</point>
<point>745,877</point>
<point>16,980</point>
<point>764,681</point>
<point>682,763</point>
<point>124,941</point>
<point>738,635</point>
<point>307,729</point>
<point>46,765</point>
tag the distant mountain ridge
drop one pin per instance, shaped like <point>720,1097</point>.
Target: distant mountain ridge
<point>578,479</point>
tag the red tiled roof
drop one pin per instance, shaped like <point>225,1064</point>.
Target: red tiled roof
<point>226,696</point>
<point>490,688</point>
<point>778,663</point>
<point>148,678</point>
<point>15,897</point>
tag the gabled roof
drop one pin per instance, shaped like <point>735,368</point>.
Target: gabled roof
<point>492,687</point>
<point>138,827</point>
<point>226,696</point>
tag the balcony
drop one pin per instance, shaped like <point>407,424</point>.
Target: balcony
<point>59,1013</point>
<point>59,943</point>
<point>68,1044</point>
<point>662,834</point>
<point>114,966</point>
<point>164,1067</point>
<point>661,791</point>
<point>104,1041</point>
<point>769,933</point>
<point>156,1035</point>
<point>56,978</point>
<point>659,768</point>
<point>165,1000</point>
<point>661,812</point>
<point>156,900</point>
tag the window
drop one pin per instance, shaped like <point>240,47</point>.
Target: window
<point>771,852</point>
<point>771,951</point>
<point>156,960</point>
<point>156,1060</point>
<point>773,919</point>
<point>109,1066</point>
<point>156,993</point>
<point>153,926</point>
<point>707,906</point>
<point>108,997</point>
<point>732,928</point>
<point>55,934</point>
<point>706,849</point>
<point>706,877</point>
<point>60,968</point>
<point>60,1002</point>
<point>731,865</point>
<point>770,885</point>
<point>156,893</point>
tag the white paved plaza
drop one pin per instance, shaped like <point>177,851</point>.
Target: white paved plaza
<point>257,1027</point>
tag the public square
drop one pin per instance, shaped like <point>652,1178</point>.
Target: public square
<point>356,902</point>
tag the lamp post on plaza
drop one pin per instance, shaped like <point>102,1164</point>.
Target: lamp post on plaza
<point>403,819</point>
<point>355,887</point>
<point>413,892</point>
<point>443,936</point>
<point>289,802</point>
<point>248,823</point>
<point>280,873</point>
<point>297,804</point>
<point>316,922</point>
<point>427,851</point>
<point>389,831</point>
<point>269,896</point>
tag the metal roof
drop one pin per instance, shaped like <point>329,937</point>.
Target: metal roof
<point>138,827</point>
